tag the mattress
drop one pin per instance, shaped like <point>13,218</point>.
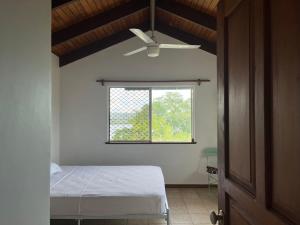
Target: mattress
<point>106,191</point>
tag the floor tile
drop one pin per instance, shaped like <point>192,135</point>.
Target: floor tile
<point>180,218</point>
<point>114,222</point>
<point>200,218</point>
<point>190,194</point>
<point>157,221</point>
<point>164,223</point>
<point>203,223</point>
<point>173,193</point>
<point>197,209</point>
<point>177,205</point>
<point>196,206</point>
<point>182,224</point>
<point>137,222</point>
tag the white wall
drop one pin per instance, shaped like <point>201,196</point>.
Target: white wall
<point>84,109</point>
<point>55,108</point>
<point>24,111</point>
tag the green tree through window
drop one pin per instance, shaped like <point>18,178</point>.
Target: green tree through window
<point>171,118</point>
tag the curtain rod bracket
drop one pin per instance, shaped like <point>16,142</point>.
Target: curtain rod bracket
<point>199,82</point>
<point>102,82</point>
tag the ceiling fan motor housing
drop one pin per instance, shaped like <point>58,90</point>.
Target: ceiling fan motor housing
<point>153,51</point>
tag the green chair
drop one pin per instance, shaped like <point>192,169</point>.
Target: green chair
<point>212,171</point>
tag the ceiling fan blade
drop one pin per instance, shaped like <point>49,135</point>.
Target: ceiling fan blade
<point>135,51</point>
<point>142,35</point>
<point>179,46</point>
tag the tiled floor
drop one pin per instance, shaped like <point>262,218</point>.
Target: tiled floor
<point>188,206</point>
<point>191,206</point>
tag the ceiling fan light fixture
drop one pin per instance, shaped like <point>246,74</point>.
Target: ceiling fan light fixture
<point>152,45</point>
<point>153,51</point>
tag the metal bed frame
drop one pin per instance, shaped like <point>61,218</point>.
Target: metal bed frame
<point>165,215</point>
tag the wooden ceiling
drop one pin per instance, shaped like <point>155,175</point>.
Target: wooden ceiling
<point>83,27</point>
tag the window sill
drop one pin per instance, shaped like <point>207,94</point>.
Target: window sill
<point>169,143</point>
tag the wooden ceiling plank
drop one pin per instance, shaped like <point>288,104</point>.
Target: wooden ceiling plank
<point>58,3</point>
<point>188,13</point>
<point>68,11</point>
<point>99,45</point>
<point>186,37</point>
<point>97,21</point>
<point>184,24</point>
<point>210,5</point>
<point>74,9</point>
<point>62,15</point>
<point>87,7</point>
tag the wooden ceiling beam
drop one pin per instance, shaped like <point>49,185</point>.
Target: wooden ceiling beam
<point>57,3</point>
<point>98,21</point>
<point>188,13</point>
<point>125,35</point>
<point>186,37</point>
<point>100,45</point>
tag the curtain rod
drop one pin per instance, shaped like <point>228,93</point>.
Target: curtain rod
<point>198,81</point>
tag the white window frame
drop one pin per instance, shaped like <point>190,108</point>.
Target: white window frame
<point>151,86</point>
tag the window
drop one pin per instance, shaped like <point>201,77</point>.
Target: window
<point>150,115</point>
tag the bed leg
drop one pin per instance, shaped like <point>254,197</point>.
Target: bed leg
<point>78,221</point>
<point>168,217</point>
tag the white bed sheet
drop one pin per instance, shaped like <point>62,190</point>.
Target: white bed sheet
<point>105,191</point>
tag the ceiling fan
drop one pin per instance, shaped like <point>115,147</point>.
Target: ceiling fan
<point>152,46</point>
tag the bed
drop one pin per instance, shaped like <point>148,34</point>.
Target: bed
<point>108,192</point>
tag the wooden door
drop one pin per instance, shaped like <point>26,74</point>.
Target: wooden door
<point>259,111</point>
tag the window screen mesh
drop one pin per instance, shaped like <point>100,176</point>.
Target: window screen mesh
<point>129,114</point>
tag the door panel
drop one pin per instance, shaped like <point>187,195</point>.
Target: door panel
<point>285,125</point>
<point>237,214</point>
<point>239,86</point>
<point>259,111</point>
